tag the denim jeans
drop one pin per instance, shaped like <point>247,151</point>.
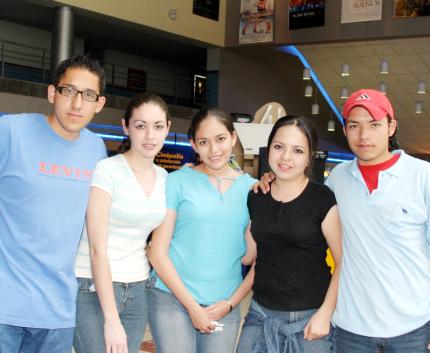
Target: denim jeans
<point>132,303</point>
<point>415,341</point>
<point>15,339</point>
<point>173,332</point>
<point>251,333</point>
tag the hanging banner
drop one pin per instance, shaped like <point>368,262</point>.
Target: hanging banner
<point>411,8</point>
<point>361,10</point>
<point>306,13</point>
<point>256,21</point>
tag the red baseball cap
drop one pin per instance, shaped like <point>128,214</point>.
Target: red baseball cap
<point>375,102</point>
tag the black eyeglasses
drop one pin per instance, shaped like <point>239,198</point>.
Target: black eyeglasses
<point>88,96</point>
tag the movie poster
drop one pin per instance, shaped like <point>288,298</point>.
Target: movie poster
<point>306,13</point>
<point>411,8</point>
<point>361,11</point>
<point>256,21</point>
<point>206,8</point>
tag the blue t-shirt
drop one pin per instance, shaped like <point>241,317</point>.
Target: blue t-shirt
<point>208,240</point>
<point>384,285</point>
<point>44,187</point>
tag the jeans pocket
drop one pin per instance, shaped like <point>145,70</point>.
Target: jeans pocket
<point>85,285</point>
<point>150,282</point>
<point>330,335</point>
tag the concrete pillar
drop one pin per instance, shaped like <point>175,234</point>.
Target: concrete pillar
<point>62,35</point>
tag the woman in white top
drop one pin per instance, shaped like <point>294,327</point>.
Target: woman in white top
<point>126,202</point>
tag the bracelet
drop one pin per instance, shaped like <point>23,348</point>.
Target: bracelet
<point>231,305</point>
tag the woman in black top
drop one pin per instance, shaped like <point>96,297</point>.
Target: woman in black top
<point>294,293</point>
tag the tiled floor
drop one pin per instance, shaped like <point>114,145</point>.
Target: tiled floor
<point>147,346</point>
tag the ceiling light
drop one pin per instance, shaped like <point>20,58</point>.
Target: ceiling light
<point>418,107</point>
<point>344,93</point>
<point>306,73</point>
<point>315,109</point>
<point>383,67</point>
<point>331,125</point>
<point>383,87</point>
<point>345,70</point>
<point>308,91</point>
<point>421,87</point>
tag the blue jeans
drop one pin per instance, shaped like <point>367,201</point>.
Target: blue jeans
<point>173,331</point>
<point>15,339</point>
<point>132,303</point>
<point>251,333</point>
<point>415,341</point>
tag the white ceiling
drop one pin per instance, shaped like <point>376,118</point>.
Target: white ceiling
<point>409,63</point>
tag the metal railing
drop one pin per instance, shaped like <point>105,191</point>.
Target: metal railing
<point>26,63</point>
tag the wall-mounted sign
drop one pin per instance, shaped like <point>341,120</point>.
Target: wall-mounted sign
<point>306,13</point>
<point>256,21</point>
<point>411,8</point>
<point>361,11</point>
<point>172,158</point>
<point>206,8</point>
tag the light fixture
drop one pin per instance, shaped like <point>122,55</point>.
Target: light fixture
<point>331,125</point>
<point>315,109</point>
<point>383,87</point>
<point>306,73</point>
<point>308,91</point>
<point>383,67</point>
<point>421,87</point>
<point>418,107</point>
<point>344,93</point>
<point>172,14</point>
<point>345,70</point>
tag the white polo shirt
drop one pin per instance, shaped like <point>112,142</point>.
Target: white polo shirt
<point>384,288</point>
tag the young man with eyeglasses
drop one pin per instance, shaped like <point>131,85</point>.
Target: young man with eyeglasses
<point>383,197</point>
<point>45,172</point>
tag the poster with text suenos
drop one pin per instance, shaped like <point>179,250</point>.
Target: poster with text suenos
<point>306,13</point>
<point>411,8</point>
<point>361,10</point>
<point>256,21</point>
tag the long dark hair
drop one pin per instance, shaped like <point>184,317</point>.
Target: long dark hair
<point>137,101</point>
<point>306,126</point>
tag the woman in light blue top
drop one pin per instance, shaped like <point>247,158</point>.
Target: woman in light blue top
<point>197,250</point>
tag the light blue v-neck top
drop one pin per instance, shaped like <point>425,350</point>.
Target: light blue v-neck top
<point>208,240</point>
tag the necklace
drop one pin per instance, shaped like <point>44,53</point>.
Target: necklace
<point>219,180</point>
